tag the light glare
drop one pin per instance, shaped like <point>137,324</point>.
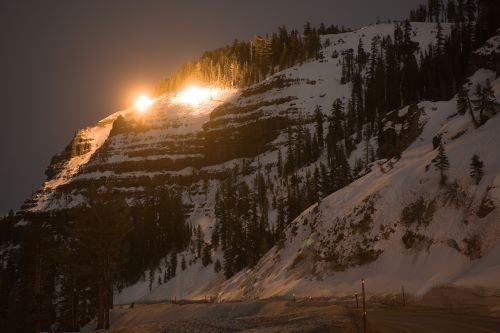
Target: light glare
<point>143,103</point>
<point>194,96</point>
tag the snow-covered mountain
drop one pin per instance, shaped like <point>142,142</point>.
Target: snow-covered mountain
<point>397,225</point>
<point>394,225</point>
<point>174,136</point>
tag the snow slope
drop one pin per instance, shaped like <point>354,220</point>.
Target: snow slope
<point>315,83</point>
<point>303,268</point>
<point>354,233</point>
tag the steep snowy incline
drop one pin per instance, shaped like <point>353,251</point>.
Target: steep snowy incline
<point>398,225</point>
<point>194,146</point>
<point>251,130</point>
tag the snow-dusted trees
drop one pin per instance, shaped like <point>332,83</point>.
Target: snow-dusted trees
<point>485,103</point>
<point>464,104</point>
<point>441,162</point>
<point>303,147</point>
<point>318,117</point>
<point>246,62</point>
<point>336,125</point>
<point>242,228</point>
<point>476,169</point>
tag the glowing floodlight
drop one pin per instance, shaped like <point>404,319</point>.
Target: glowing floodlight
<point>194,96</point>
<point>143,103</point>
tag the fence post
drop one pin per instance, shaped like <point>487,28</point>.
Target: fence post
<point>364,305</point>
<point>357,303</point>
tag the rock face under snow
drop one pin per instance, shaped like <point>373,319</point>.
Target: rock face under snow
<point>395,225</point>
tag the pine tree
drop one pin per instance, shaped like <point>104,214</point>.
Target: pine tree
<point>183,263</point>
<point>151,279</point>
<point>485,102</point>
<point>393,81</point>
<point>407,34</point>
<point>464,104</point>
<point>217,266</point>
<point>462,101</point>
<point>451,11</point>
<point>173,263</point>
<point>336,131</point>
<point>199,240</point>
<point>471,10</point>
<point>460,11</point>
<point>318,116</point>
<point>99,233</point>
<point>206,258</point>
<point>410,80</point>
<point>326,187</point>
<point>373,58</point>
<point>290,162</point>
<point>440,41</point>
<point>476,169</point>
<point>434,10</point>
<point>229,262</point>
<point>361,57</point>
<point>398,35</point>
<point>280,219</point>
<point>441,162</point>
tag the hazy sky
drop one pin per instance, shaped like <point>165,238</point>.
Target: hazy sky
<point>66,64</point>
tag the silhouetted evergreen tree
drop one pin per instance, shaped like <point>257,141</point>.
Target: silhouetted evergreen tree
<point>485,103</point>
<point>99,234</point>
<point>441,162</point>
<point>476,169</point>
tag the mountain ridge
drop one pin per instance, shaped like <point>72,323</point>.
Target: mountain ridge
<point>241,174</point>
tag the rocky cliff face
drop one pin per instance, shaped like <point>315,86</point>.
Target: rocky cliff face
<point>176,139</point>
<point>394,207</point>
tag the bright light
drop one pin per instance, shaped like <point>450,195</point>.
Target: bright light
<point>194,96</point>
<point>143,103</point>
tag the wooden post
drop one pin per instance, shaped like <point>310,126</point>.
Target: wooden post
<point>364,305</point>
<point>357,303</point>
<point>38,287</point>
<point>403,290</point>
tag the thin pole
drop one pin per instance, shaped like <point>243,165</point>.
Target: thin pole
<point>357,303</point>
<point>364,305</point>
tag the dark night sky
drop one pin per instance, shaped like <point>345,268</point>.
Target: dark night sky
<point>66,64</point>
